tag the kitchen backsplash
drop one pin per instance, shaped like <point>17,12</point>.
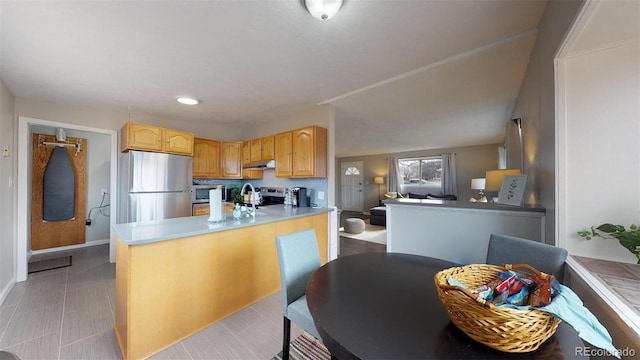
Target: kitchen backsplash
<point>313,185</point>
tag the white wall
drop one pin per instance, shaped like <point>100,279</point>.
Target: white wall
<point>7,192</point>
<point>602,146</point>
<point>113,118</point>
<point>471,162</point>
<point>536,107</point>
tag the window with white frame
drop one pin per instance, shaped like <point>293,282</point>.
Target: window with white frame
<point>420,173</point>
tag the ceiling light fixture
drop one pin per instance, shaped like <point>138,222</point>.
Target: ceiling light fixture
<point>187,100</point>
<point>323,9</point>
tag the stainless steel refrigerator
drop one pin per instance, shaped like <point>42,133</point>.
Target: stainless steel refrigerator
<point>154,186</point>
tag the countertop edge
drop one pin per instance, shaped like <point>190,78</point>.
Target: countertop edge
<point>148,232</point>
<point>463,205</point>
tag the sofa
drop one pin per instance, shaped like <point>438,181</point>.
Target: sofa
<point>379,213</point>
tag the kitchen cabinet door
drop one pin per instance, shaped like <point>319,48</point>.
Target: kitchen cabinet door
<point>206,158</point>
<point>252,173</point>
<point>283,154</point>
<point>201,209</point>
<point>134,136</point>
<point>256,150</point>
<point>246,152</point>
<point>309,157</point>
<point>231,160</point>
<point>178,142</point>
<point>141,137</point>
<point>268,148</point>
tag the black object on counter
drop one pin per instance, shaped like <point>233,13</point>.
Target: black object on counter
<point>300,198</point>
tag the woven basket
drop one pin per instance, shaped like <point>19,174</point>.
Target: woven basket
<point>501,328</point>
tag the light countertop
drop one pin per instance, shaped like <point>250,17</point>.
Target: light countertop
<point>462,204</point>
<point>146,232</point>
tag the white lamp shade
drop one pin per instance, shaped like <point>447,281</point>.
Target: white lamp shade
<point>323,9</point>
<point>478,184</point>
<point>378,180</point>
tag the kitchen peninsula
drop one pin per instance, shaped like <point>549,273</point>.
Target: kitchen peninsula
<point>175,277</point>
<point>457,231</point>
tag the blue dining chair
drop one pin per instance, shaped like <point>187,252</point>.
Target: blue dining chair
<point>504,249</point>
<point>299,258</point>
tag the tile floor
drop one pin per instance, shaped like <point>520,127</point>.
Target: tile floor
<point>69,313</point>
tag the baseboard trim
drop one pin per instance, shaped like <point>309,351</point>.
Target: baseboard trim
<point>70,247</point>
<point>7,289</point>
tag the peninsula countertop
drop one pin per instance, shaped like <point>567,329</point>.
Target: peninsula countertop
<point>146,232</point>
<point>463,205</point>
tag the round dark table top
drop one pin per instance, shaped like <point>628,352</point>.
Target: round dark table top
<point>385,306</point>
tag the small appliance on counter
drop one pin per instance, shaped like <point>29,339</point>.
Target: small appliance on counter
<point>300,198</point>
<point>272,195</point>
<point>200,193</point>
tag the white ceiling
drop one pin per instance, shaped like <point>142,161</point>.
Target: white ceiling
<point>403,75</point>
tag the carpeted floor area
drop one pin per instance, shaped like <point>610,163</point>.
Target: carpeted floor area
<point>372,233</point>
<point>306,347</point>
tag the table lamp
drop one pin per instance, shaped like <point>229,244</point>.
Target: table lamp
<point>478,184</point>
<point>378,180</point>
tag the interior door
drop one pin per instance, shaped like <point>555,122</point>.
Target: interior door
<point>351,185</point>
<point>50,234</point>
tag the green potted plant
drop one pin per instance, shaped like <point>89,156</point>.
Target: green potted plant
<point>629,238</point>
<point>234,195</point>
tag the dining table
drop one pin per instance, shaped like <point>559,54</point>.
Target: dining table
<point>385,306</point>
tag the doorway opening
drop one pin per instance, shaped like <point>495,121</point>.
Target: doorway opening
<point>23,226</point>
<point>351,185</point>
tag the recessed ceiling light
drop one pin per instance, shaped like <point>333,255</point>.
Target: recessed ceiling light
<point>323,9</point>
<point>187,100</point>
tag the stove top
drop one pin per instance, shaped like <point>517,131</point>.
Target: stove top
<point>272,195</point>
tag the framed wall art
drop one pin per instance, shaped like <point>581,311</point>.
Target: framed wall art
<point>512,190</point>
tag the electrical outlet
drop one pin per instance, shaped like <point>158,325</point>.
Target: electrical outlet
<point>104,191</point>
<point>320,195</point>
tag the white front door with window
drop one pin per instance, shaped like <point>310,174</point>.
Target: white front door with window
<point>352,195</point>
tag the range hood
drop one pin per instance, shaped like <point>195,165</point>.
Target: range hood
<point>271,164</point>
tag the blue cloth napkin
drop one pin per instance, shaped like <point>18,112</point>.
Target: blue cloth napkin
<point>569,307</point>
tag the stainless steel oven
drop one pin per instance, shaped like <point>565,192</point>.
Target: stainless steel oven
<point>200,193</point>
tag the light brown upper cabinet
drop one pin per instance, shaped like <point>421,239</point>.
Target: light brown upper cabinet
<point>231,160</point>
<point>252,174</point>
<point>206,158</point>
<point>268,149</point>
<point>246,152</point>
<point>309,152</point>
<point>301,153</point>
<point>261,149</point>
<point>136,136</point>
<point>256,150</point>
<point>283,154</point>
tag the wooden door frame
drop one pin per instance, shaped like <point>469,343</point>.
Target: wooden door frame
<point>23,252</point>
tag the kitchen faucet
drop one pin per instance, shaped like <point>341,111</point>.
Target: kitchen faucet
<point>252,198</point>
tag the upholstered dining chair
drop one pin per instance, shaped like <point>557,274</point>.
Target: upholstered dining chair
<point>299,258</point>
<point>504,249</point>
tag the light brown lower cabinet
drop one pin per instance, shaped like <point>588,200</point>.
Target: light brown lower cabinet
<point>169,290</point>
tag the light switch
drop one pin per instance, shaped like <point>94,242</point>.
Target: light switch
<point>5,151</point>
